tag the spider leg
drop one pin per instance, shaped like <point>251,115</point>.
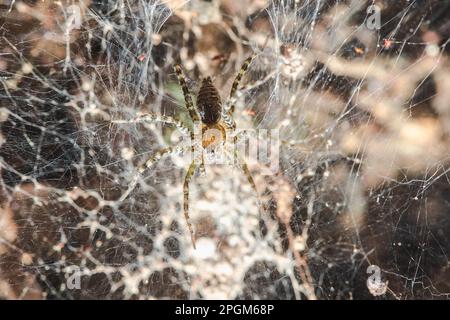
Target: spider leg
<point>202,166</point>
<point>236,84</point>
<point>187,96</point>
<point>151,117</point>
<point>187,179</point>
<point>247,173</point>
<point>228,121</point>
<point>191,109</point>
<point>147,164</point>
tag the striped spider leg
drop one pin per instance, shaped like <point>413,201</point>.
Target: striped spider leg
<point>195,117</point>
<point>228,113</point>
<point>152,118</point>
<point>231,124</point>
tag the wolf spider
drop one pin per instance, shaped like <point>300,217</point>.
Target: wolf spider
<point>211,116</point>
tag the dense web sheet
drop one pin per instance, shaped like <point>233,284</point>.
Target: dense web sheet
<point>359,92</point>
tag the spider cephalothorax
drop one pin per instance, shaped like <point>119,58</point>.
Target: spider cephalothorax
<point>215,123</point>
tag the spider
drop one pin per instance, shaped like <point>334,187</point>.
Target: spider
<point>212,117</point>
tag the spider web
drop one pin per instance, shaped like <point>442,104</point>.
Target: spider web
<point>364,121</point>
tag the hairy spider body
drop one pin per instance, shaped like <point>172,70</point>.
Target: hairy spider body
<point>208,103</point>
<point>215,124</point>
<point>209,106</point>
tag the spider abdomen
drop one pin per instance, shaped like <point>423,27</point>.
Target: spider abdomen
<point>208,102</point>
